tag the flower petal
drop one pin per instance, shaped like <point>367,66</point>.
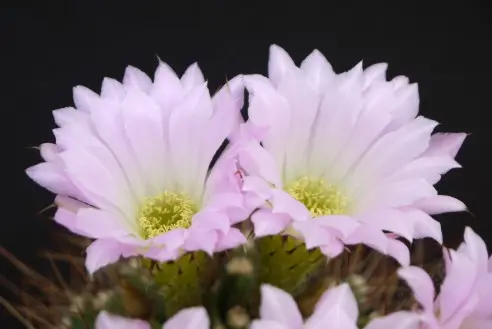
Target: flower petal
<point>112,89</point>
<point>390,153</point>
<point>136,79</point>
<point>336,117</point>
<point>400,320</point>
<point>192,77</point>
<point>270,112</point>
<point>267,324</point>
<point>188,126</point>
<point>279,63</point>
<point>317,70</point>
<point>392,220</point>
<point>340,296</point>
<point>313,234</point>
<point>283,203</point>
<point>457,287</point>
<point>424,225</point>
<point>267,223</point>
<point>84,98</point>
<point>336,317</point>
<point>277,305</point>
<point>144,126</point>
<point>49,176</point>
<point>167,90</point>
<point>189,318</point>
<point>105,320</point>
<point>103,252</point>
<point>232,239</point>
<point>421,285</point>
<point>439,204</point>
<point>445,144</point>
<point>399,251</point>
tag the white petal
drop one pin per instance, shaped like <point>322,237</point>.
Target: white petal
<point>279,63</point>
<point>192,77</point>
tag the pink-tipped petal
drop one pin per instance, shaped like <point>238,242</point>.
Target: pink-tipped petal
<point>421,285</point>
<point>279,64</point>
<point>232,239</point>
<point>312,234</point>
<point>49,176</point>
<point>399,251</point>
<point>167,90</point>
<point>333,248</point>
<point>391,152</point>
<point>103,252</point>
<point>189,318</point>
<point>267,223</point>
<point>193,77</point>
<point>427,168</point>
<point>400,320</point>
<point>258,186</point>
<point>112,89</point>
<point>476,323</point>
<point>283,203</point>
<point>267,324</point>
<point>98,224</point>
<point>209,220</point>
<point>172,240</point>
<point>318,71</point>
<point>84,98</point>
<point>375,72</point>
<point>188,126</point>
<point>144,125</point>
<point>257,161</point>
<point>475,248</point>
<point>445,144</point>
<point>105,320</point>
<point>424,225</point>
<point>136,79</point>
<point>303,108</point>
<point>277,305</point>
<point>49,152</point>
<point>392,220</point>
<point>201,239</point>
<point>457,286</point>
<point>335,316</point>
<point>370,236</point>
<point>439,204</point>
<point>69,116</point>
<point>341,296</point>
<point>67,219</point>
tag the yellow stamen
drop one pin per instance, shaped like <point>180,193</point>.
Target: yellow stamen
<point>319,197</point>
<point>164,213</point>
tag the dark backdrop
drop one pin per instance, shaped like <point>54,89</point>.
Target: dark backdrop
<point>443,47</point>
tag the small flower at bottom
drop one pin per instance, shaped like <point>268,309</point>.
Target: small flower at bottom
<point>337,308</point>
<point>130,167</point>
<point>190,318</point>
<point>465,297</point>
<point>344,157</point>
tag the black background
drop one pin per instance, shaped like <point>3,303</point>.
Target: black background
<point>442,46</point>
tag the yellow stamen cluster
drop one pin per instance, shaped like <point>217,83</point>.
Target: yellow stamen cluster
<point>319,197</point>
<point>164,213</point>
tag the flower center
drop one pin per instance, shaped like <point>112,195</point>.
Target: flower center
<point>164,213</point>
<point>320,198</point>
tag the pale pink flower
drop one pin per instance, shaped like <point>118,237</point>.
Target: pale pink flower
<point>344,157</point>
<point>465,299</point>
<point>189,318</point>
<point>336,308</point>
<point>131,167</point>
